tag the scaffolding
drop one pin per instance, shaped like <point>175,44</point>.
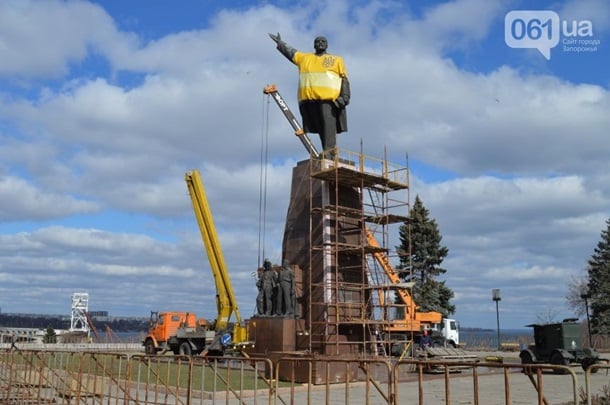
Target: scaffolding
<point>351,195</point>
<point>78,318</point>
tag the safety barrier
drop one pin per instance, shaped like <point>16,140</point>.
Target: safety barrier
<point>488,382</point>
<point>40,377</point>
<point>592,394</point>
<point>336,380</point>
<point>76,347</point>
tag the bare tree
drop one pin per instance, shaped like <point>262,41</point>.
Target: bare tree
<point>548,315</point>
<point>578,286</point>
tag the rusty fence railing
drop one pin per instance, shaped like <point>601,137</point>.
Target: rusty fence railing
<point>59,377</point>
<point>41,377</point>
<point>596,393</point>
<point>487,383</point>
<point>334,380</point>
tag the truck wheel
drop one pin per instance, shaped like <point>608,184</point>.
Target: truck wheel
<point>558,360</point>
<point>588,362</point>
<point>526,357</point>
<point>185,349</point>
<point>149,348</point>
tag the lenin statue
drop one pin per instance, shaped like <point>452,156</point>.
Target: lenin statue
<point>324,90</point>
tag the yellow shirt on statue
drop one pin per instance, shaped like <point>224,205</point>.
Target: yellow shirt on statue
<point>319,76</point>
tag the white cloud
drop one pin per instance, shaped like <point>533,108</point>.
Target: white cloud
<point>526,151</point>
<point>41,39</point>
<point>460,22</point>
<point>532,273</point>
<point>596,11</point>
<point>23,201</point>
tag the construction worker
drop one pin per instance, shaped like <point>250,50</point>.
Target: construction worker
<point>425,341</point>
<point>324,90</point>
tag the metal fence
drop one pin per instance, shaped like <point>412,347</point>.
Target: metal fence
<point>133,347</point>
<point>41,377</point>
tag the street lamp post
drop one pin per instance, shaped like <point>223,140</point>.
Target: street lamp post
<point>495,295</point>
<point>586,296</point>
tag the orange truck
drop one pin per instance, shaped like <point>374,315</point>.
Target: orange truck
<point>178,332</point>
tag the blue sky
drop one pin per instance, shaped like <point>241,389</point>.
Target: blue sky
<point>105,105</point>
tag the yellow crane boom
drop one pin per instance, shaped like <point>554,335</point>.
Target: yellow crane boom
<point>225,298</point>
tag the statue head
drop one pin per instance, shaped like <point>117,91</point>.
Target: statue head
<point>286,263</point>
<point>320,44</point>
<point>267,264</point>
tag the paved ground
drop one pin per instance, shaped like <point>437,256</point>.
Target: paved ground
<point>494,389</point>
<point>491,387</point>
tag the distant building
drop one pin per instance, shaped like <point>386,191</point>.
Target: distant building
<point>98,314</point>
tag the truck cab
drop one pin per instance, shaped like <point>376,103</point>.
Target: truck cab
<point>449,330</point>
<point>179,332</point>
<point>165,324</point>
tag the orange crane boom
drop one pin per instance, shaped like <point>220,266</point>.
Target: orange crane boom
<point>298,130</point>
<point>413,319</point>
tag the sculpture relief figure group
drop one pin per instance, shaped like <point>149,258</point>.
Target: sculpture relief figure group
<point>276,295</point>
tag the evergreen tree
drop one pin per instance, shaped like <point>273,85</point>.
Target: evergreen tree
<point>50,336</point>
<point>599,284</point>
<point>422,263</point>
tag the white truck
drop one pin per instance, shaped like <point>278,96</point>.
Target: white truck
<point>449,330</point>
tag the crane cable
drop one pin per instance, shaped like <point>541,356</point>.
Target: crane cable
<point>262,193</point>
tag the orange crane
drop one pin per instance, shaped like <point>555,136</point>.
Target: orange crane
<point>91,325</point>
<point>111,336</point>
<point>414,320</point>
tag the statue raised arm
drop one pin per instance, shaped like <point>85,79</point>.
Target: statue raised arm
<point>283,47</point>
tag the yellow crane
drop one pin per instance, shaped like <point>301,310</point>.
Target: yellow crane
<point>181,332</point>
<point>226,303</point>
